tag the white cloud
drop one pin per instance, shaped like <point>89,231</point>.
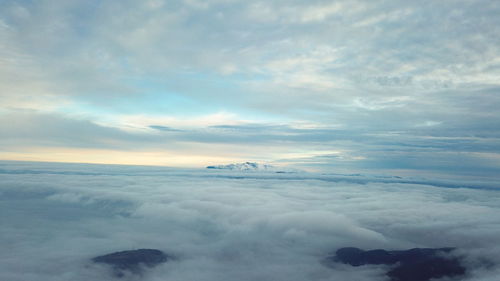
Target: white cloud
<point>144,121</point>
<point>267,227</point>
<point>321,12</point>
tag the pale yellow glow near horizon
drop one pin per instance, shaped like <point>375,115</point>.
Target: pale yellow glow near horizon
<point>101,156</point>
<point>186,156</point>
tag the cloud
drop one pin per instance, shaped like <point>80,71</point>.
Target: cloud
<point>163,128</point>
<point>38,129</point>
<point>256,40</point>
<point>366,75</point>
<point>272,227</point>
<point>225,137</point>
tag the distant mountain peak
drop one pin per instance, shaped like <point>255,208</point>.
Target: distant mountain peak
<point>246,166</point>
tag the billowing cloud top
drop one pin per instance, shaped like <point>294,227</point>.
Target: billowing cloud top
<point>218,226</point>
<point>325,85</point>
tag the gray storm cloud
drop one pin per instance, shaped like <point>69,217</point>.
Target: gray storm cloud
<point>226,226</point>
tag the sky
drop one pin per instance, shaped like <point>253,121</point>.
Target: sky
<point>390,86</point>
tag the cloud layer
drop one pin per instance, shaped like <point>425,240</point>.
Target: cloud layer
<point>227,226</point>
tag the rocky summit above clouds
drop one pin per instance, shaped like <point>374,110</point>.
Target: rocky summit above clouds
<point>132,261</point>
<point>419,264</point>
<point>246,166</point>
<point>254,167</point>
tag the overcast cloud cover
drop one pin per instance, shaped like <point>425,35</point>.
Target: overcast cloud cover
<point>227,225</point>
<point>320,85</point>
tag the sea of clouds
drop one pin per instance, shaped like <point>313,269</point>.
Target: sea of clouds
<point>227,225</point>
